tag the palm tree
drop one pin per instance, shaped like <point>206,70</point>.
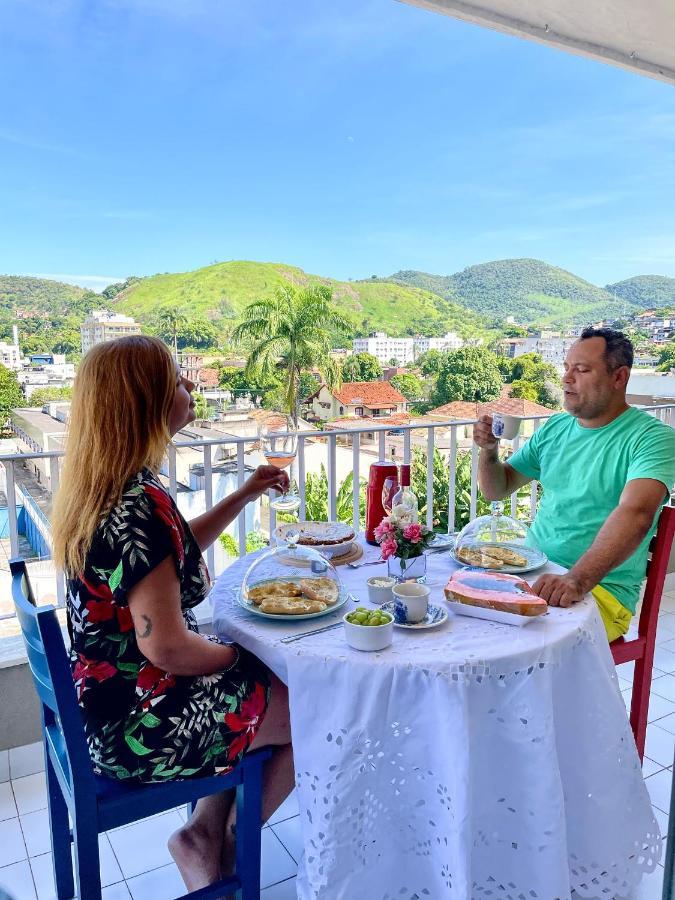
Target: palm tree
<point>289,332</point>
<point>170,322</point>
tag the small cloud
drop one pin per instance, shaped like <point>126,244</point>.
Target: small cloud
<point>23,141</point>
<point>92,282</point>
<point>350,139</point>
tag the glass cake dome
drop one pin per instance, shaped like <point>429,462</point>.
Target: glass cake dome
<point>496,541</point>
<point>280,570</point>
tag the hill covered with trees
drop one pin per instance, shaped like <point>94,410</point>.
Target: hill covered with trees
<point>23,294</point>
<point>221,292</point>
<point>645,291</point>
<point>531,290</point>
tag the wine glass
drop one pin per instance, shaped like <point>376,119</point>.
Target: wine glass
<point>279,444</point>
<point>390,487</point>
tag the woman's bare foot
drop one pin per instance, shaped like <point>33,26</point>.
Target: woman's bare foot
<point>196,852</point>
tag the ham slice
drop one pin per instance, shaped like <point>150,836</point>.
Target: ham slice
<point>494,590</point>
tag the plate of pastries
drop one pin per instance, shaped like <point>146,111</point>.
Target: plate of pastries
<point>513,559</point>
<point>294,597</point>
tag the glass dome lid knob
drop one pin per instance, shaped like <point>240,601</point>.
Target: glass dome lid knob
<point>292,537</point>
<point>497,508</point>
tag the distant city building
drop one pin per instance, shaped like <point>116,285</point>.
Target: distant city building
<point>101,326</point>
<point>56,374</point>
<point>190,364</point>
<point>404,350</point>
<point>386,348</point>
<point>449,341</point>
<point>10,356</point>
<point>548,344</point>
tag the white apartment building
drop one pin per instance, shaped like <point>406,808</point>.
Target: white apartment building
<point>10,356</point>
<point>386,348</point>
<point>404,350</point>
<point>449,341</point>
<point>549,345</point>
<point>58,374</point>
<point>101,326</point>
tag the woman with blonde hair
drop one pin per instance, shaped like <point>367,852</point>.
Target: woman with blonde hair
<point>159,700</point>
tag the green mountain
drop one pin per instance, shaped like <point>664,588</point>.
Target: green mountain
<point>20,293</point>
<point>645,291</point>
<point>220,293</point>
<point>532,291</point>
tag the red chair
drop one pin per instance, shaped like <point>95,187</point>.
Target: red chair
<point>641,649</point>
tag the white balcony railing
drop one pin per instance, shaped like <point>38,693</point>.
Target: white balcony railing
<point>428,436</point>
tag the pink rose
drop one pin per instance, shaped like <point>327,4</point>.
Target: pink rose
<point>384,529</point>
<point>389,548</point>
<point>413,533</point>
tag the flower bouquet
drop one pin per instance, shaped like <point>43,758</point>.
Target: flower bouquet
<point>403,543</point>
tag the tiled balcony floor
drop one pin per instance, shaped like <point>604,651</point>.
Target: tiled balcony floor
<point>135,864</point>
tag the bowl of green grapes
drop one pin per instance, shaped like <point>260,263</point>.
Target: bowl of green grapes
<point>368,629</point>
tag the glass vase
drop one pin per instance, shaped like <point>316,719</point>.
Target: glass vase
<point>412,569</point>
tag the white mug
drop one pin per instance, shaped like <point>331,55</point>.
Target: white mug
<point>504,426</point>
<point>411,602</point>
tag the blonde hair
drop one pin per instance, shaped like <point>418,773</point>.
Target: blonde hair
<point>119,423</point>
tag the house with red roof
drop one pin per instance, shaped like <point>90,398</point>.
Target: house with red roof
<point>360,399</point>
<point>511,406</point>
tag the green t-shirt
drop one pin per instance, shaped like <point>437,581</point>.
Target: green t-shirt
<point>583,472</point>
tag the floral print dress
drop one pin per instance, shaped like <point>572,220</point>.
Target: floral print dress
<point>141,722</point>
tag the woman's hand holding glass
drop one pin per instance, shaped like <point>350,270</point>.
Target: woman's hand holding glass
<point>266,477</point>
<point>279,443</point>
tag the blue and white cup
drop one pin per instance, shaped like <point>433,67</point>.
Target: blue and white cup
<point>504,426</point>
<point>411,602</point>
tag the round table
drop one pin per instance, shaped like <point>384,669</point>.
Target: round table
<point>473,760</point>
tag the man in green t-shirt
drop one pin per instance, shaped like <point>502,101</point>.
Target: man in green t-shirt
<point>606,469</point>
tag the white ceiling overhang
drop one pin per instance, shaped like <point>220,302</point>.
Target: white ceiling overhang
<point>636,34</point>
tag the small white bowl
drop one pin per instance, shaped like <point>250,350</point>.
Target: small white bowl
<point>379,594</point>
<point>368,637</point>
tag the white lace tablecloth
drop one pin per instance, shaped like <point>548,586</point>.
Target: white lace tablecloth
<point>474,760</point>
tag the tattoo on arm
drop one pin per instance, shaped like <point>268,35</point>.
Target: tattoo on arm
<point>148,627</point>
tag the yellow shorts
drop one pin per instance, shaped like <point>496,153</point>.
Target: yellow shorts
<point>615,617</point>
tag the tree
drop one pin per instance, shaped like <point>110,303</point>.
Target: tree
<point>361,367</point>
<point>239,384</point>
<point>409,385</point>
<point>11,395</point>
<point>46,395</point>
<point>441,484</point>
<point>667,358</point>
<point>532,379</point>
<point>254,541</point>
<point>199,333</point>
<point>308,385</point>
<point>471,374</point>
<point>316,499</point>
<point>289,332</point>
<point>169,322</point>
<point>201,406</point>
<point>431,362</point>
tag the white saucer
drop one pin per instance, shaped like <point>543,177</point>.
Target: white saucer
<point>436,615</point>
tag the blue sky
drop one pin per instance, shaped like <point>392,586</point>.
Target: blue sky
<point>352,137</point>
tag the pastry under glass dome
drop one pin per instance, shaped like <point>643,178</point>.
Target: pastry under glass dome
<point>497,542</point>
<point>289,562</point>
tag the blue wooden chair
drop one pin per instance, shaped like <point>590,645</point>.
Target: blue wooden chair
<point>96,804</point>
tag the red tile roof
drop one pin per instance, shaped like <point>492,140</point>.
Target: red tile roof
<point>351,423</point>
<point>511,406</point>
<point>208,377</point>
<point>368,393</point>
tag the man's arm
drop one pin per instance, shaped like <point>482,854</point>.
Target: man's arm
<point>495,478</point>
<point>618,538</point>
